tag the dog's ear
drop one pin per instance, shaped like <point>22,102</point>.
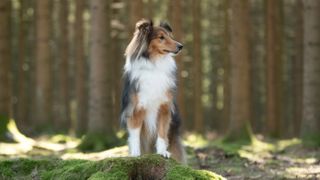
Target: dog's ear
<point>144,26</point>
<point>166,26</point>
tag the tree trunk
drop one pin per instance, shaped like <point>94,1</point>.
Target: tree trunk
<point>81,77</point>
<point>240,112</point>
<point>22,105</point>
<point>274,67</point>
<point>175,7</point>
<point>135,13</point>
<point>63,118</point>
<point>43,64</point>
<point>197,71</point>
<point>150,8</point>
<point>117,55</point>
<point>5,59</point>
<point>100,96</point>
<point>310,127</point>
<point>298,69</point>
<point>226,70</point>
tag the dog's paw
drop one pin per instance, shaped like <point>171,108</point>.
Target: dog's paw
<point>135,153</point>
<point>165,154</point>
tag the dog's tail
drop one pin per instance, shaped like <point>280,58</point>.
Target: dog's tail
<point>175,145</point>
<point>177,150</point>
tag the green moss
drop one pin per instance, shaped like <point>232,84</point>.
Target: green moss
<point>4,120</point>
<point>240,134</point>
<point>99,142</point>
<point>24,168</point>
<point>311,140</point>
<point>182,172</point>
<point>231,148</point>
<point>145,167</point>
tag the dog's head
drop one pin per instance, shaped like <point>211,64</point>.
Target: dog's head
<point>151,41</point>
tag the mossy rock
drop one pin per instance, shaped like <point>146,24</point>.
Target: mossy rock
<point>144,167</point>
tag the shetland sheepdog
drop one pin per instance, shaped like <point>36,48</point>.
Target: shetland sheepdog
<point>149,109</point>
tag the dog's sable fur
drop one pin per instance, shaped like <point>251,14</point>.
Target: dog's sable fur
<point>149,110</point>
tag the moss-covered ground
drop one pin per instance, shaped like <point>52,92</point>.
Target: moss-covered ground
<point>144,167</point>
<point>57,157</point>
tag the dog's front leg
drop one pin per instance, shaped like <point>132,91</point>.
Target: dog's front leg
<point>164,118</point>
<point>134,129</point>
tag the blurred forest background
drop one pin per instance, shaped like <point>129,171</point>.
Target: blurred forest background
<point>250,66</point>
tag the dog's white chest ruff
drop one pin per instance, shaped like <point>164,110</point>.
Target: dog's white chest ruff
<point>153,81</point>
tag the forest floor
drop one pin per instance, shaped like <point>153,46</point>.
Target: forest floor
<point>259,159</point>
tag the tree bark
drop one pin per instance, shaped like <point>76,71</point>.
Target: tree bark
<point>100,96</point>
<point>22,106</point>
<point>226,68</point>
<point>5,59</point>
<point>274,67</point>
<point>176,19</point>
<point>150,7</point>
<point>43,64</point>
<point>135,13</point>
<point>63,119</point>
<point>197,71</point>
<point>298,69</point>
<point>310,127</point>
<point>240,111</point>
<point>117,64</point>
<point>81,71</point>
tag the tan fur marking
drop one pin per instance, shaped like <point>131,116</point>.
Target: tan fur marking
<point>137,118</point>
<point>138,114</point>
<point>170,95</point>
<point>159,47</point>
<point>134,99</point>
<point>164,119</point>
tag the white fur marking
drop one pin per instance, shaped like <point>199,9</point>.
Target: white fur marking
<point>161,147</point>
<point>151,120</point>
<point>134,141</point>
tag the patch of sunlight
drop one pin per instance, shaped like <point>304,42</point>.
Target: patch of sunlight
<point>86,15</point>
<point>283,144</point>
<point>56,146</point>
<point>195,140</point>
<point>62,138</point>
<point>304,160</point>
<point>17,135</point>
<point>120,134</point>
<point>259,146</point>
<point>304,172</point>
<point>121,151</point>
<point>25,144</point>
<point>253,156</point>
<point>220,96</point>
<point>14,148</point>
<point>258,150</point>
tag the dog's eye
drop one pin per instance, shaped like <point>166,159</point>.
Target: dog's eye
<point>161,38</point>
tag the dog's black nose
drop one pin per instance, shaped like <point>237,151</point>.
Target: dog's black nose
<point>179,46</point>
